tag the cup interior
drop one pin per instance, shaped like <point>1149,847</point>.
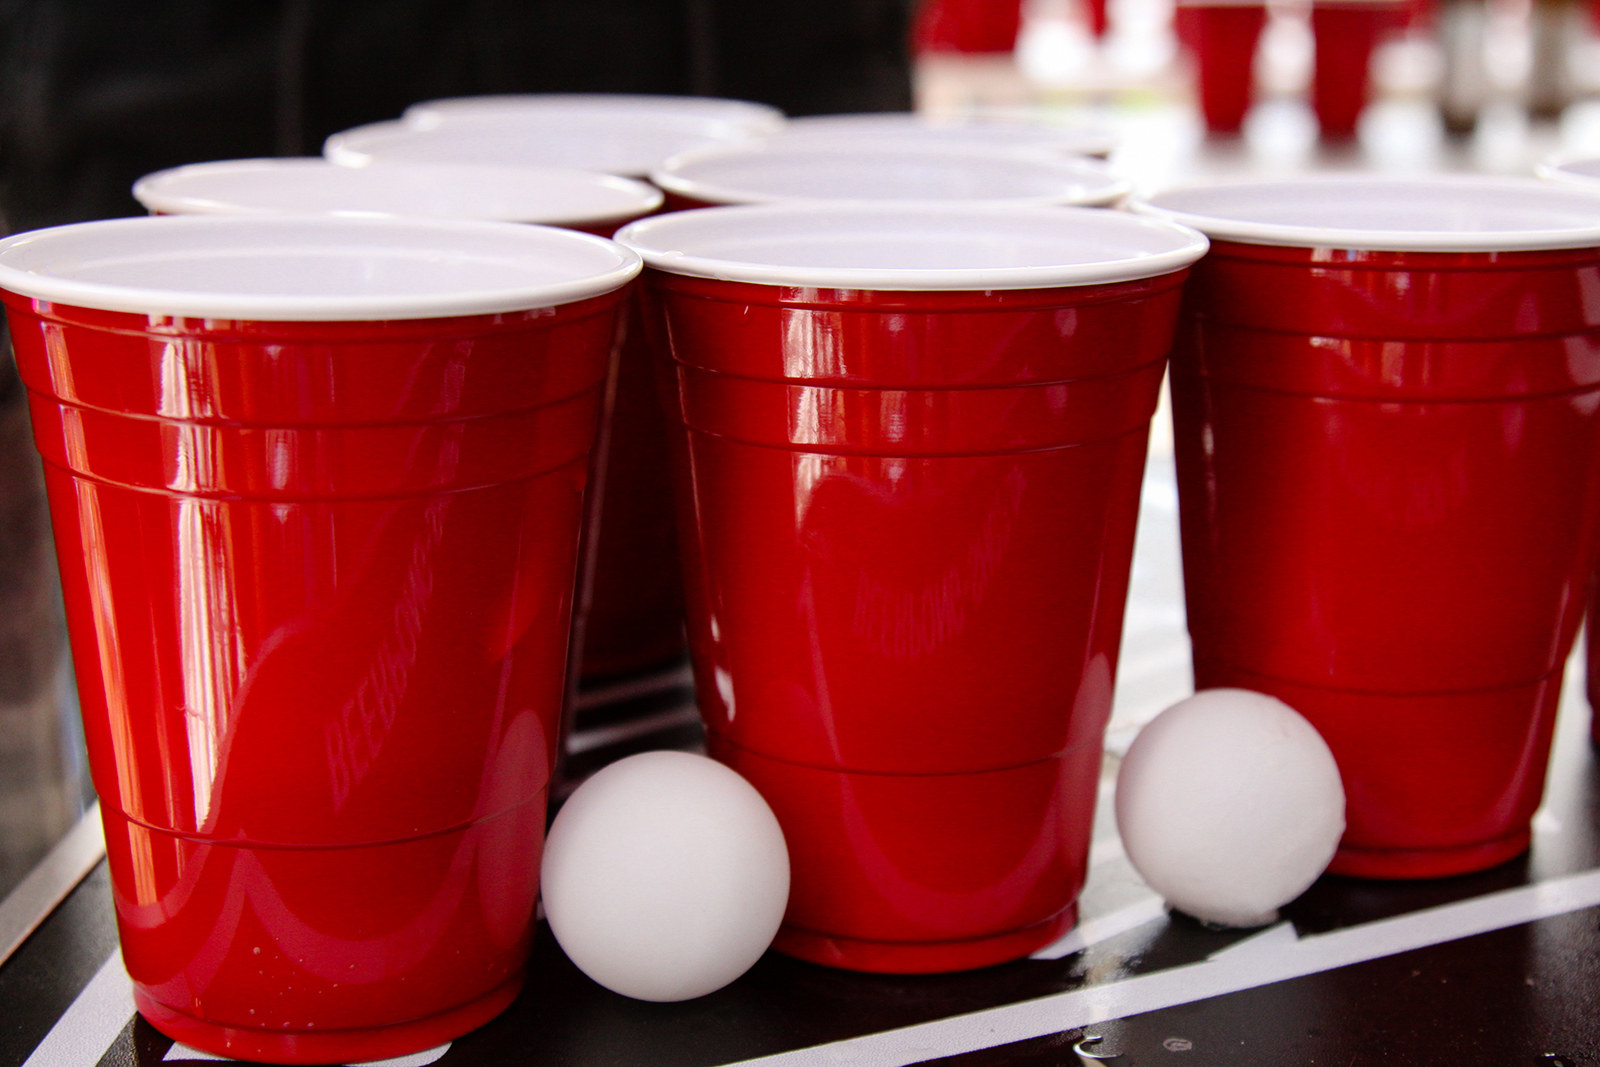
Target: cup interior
<point>909,128</point>
<point>1455,213</point>
<point>485,191</point>
<point>310,268</point>
<point>1578,171</point>
<point>629,144</point>
<point>913,246</point>
<point>753,117</point>
<point>775,170</point>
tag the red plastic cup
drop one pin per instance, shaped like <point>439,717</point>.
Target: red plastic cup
<point>780,171</point>
<point>965,27</point>
<point>629,615</point>
<point>1386,402</point>
<point>1222,38</point>
<point>1344,35</point>
<point>910,445</point>
<point>820,171</point>
<point>316,488</point>
<point>1584,173</point>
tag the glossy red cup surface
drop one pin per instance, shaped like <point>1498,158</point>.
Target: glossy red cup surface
<point>907,521</point>
<point>1389,470</point>
<point>1222,39</point>
<point>630,611</point>
<point>318,578</point>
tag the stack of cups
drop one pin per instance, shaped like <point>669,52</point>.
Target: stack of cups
<point>1585,173</point>
<point>634,617</point>
<point>316,486</point>
<point>910,443</point>
<point>1386,400</point>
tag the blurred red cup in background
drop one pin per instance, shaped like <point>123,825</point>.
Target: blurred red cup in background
<point>1345,34</point>
<point>1222,39</point>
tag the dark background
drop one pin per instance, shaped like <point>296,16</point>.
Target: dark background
<point>96,93</point>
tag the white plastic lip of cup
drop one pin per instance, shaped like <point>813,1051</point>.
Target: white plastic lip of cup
<point>311,268</point>
<point>622,143</point>
<point>755,118</point>
<point>490,192</point>
<point>1438,213</point>
<point>775,170</point>
<point>888,246</point>
<point>1584,172</point>
<point>992,128</point>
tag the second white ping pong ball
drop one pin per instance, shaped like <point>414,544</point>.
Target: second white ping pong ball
<point>665,876</point>
<point>1230,805</point>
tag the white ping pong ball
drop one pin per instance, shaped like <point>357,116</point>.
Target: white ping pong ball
<point>665,876</point>
<point>1230,805</point>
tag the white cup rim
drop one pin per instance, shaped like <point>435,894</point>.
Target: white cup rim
<point>310,268</point>
<point>630,145</point>
<point>1433,213</point>
<point>1574,170</point>
<point>756,117</point>
<point>996,127</point>
<point>913,246</point>
<point>775,171</point>
<point>487,192</point>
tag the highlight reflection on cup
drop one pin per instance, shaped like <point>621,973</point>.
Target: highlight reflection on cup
<point>1222,37</point>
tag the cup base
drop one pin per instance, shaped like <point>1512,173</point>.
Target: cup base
<point>1429,863</point>
<point>332,1046</point>
<point>1436,783</point>
<point>930,957</point>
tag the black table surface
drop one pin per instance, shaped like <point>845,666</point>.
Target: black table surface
<point>1496,968</point>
